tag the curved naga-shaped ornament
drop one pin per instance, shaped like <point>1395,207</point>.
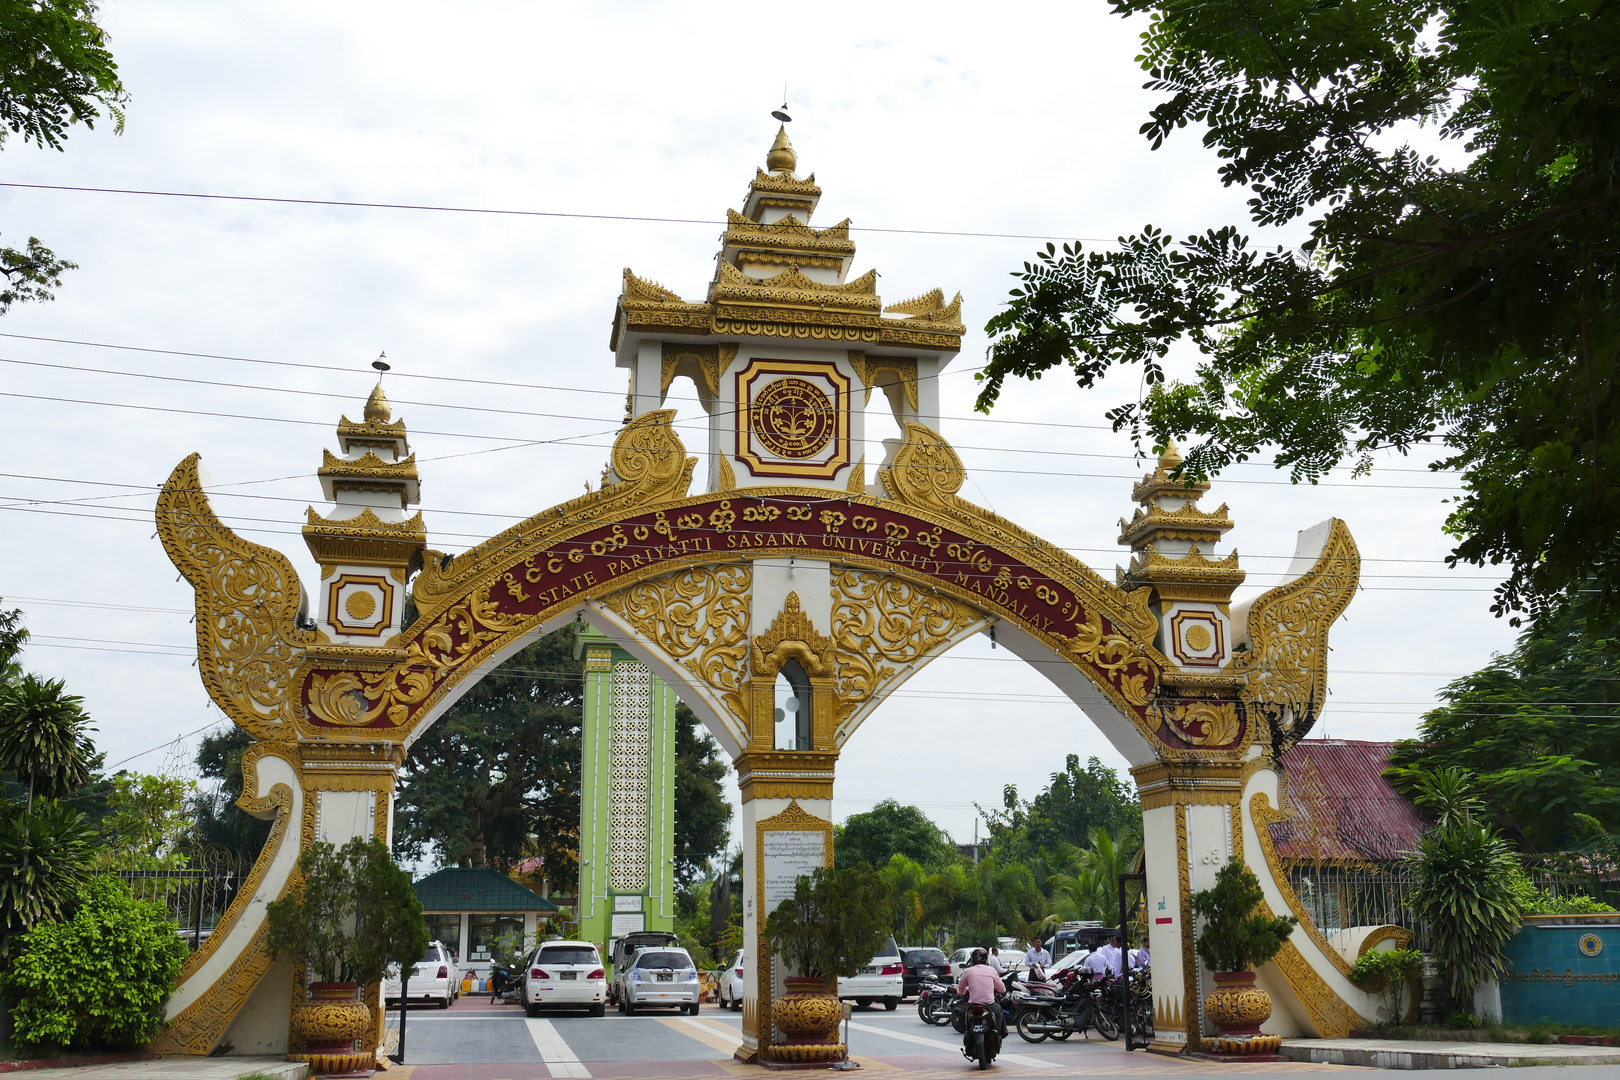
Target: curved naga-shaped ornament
<point>249,643</point>
<point>1285,671</point>
<point>649,467</point>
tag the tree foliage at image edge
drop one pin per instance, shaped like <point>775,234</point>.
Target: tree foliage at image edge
<point>1473,306</point>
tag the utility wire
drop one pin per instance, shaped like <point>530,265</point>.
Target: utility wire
<point>513,213</point>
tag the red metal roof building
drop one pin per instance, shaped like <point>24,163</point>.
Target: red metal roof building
<point>1344,811</point>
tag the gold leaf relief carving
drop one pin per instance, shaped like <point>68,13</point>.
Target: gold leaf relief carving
<point>359,698</point>
<point>700,617</point>
<point>1204,723</point>
<point>881,624</point>
<point>1286,666</point>
<point>249,644</point>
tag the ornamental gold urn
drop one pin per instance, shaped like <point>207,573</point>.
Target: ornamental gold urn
<point>1238,1008</point>
<point>329,1023</point>
<point>808,1016</point>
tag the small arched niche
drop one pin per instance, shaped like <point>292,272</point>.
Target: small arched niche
<point>793,707</point>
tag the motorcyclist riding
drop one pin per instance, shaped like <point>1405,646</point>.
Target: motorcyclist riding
<point>980,984</point>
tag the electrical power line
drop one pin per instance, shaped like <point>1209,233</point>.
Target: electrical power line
<point>354,204</point>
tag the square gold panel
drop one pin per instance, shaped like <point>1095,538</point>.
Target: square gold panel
<point>360,604</point>
<point>793,418</point>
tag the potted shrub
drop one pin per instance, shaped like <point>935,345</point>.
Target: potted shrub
<point>1235,940</point>
<point>836,921</point>
<point>352,915</point>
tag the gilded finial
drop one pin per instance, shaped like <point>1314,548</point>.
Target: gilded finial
<point>377,405</point>
<point>1171,456</point>
<point>781,158</point>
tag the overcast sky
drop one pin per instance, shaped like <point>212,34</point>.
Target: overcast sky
<point>912,117</point>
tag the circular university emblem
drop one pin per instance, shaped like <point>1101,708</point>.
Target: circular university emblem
<point>793,418</point>
<point>1591,944</point>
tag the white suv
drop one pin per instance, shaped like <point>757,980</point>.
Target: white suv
<point>564,973</point>
<point>436,978</point>
<point>884,979</point>
<point>660,976</point>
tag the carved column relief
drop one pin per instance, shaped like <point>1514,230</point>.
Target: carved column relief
<point>881,624</point>
<point>700,617</point>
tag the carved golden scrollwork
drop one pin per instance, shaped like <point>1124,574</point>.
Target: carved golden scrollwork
<point>700,617</point>
<point>249,644</point>
<point>926,471</point>
<point>1286,667</point>
<point>1204,723</point>
<point>879,620</point>
<point>360,698</point>
<point>651,465</point>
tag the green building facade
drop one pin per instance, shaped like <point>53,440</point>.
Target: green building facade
<point>627,795</point>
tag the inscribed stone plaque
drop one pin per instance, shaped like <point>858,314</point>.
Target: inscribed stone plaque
<point>628,924</point>
<point>627,903</point>
<point>790,855</point>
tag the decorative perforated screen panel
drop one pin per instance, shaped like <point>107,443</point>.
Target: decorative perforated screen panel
<point>630,767</point>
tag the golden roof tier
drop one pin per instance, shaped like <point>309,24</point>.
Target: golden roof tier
<point>787,343</point>
<point>1173,545</point>
<point>365,544</point>
<point>778,277</point>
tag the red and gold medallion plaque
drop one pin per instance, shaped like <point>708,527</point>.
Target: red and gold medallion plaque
<point>795,418</point>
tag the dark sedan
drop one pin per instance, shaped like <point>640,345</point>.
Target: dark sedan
<point>922,965</point>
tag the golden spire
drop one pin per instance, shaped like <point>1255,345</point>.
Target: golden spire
<point>781,158</point>
<point>377,405</point>
<point>1171,456</point>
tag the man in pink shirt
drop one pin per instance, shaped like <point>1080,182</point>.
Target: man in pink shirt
<point>980,984</point>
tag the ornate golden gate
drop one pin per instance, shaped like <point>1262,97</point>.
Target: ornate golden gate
<point>789,563</point>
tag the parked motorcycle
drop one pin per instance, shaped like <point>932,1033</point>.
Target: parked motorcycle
<point>1079,1008</point>
<point>504,984</point>
<point>934,1002</point>
<point>981,1041</point>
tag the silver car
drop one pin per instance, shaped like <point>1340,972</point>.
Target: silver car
<point>661,977</point>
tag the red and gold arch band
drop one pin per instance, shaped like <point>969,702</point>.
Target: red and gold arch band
<point>538,579</point>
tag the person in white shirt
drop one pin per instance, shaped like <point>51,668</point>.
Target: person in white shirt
<point>995,961</point>
<point>1095,962</point>
<point>1113,956</point>
<point>1037,957</point>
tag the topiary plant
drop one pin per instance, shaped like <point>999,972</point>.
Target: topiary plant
<point>99,980</point>
<point>836,921</point>
<point>354,913</point>
<point>1236,937</point>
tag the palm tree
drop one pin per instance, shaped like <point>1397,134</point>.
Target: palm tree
<point>45,854</point>
<point>1088,886</point>
<point>44,738</point>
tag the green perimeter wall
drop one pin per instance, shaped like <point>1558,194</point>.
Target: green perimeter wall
<point>627,796</point>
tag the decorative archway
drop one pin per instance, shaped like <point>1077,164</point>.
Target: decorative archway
<point>858,585</point>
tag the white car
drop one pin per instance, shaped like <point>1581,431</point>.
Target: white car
<point>436,978</point>
<point>729,986</point>
<point>1010,961</point>
<point>662,977</point>
<point>884,979</point>
<point>565,974</point>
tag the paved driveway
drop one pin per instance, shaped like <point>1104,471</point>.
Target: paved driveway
<point>475,1041</point>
